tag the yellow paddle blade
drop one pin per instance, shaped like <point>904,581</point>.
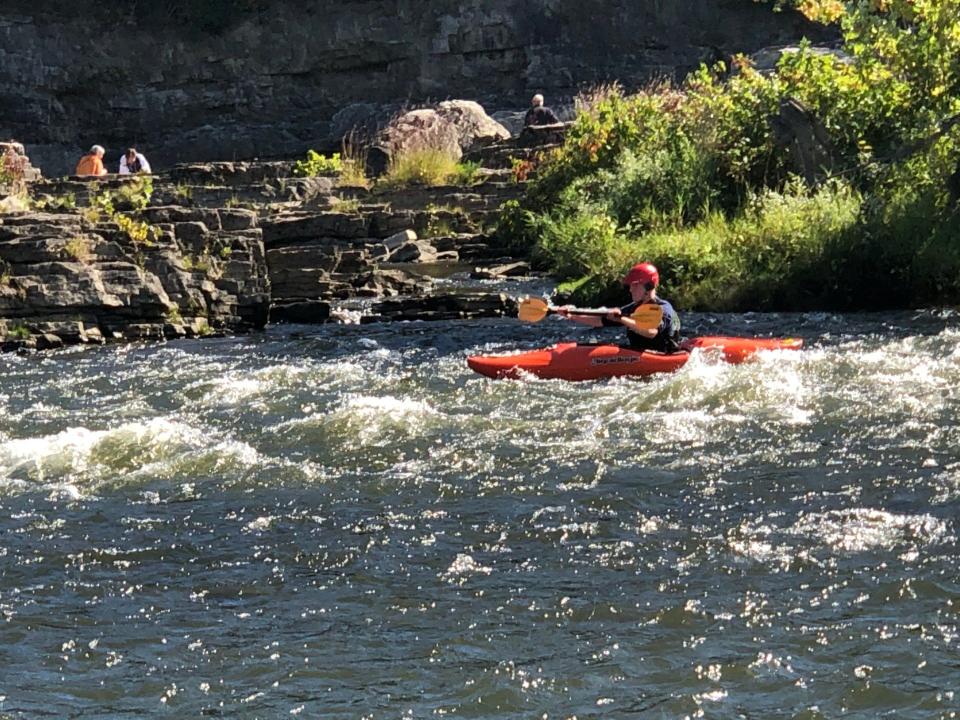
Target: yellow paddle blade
<point>532,310</point>
<point>648,317</point>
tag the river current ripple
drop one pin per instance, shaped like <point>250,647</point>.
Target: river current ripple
<point>345,522</point>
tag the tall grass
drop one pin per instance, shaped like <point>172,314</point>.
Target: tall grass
<point>420,166</point>
<point>353,165</point>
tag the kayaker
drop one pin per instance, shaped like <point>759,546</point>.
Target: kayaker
<point>643,280</point>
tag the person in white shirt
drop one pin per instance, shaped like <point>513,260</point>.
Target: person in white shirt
<point>133,162</point>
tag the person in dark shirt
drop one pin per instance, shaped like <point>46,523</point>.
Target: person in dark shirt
<point>539,114</point>
<point>642,280</point>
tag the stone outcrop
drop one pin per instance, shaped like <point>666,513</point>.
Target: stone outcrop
<point>272,83</point>
<point>323,255</point>
<point>414,131</point>
<point>444,306</point>
<point>231,242</point>
<point>65,279</point>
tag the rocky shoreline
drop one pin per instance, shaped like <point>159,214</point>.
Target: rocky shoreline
<point>233,246</point>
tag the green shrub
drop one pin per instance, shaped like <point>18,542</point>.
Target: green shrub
<point>79,248</point>
<point>134,195</point>
<point>467,173</point>
<point>518,228</point>
<point>317,164</point>
<point>908,247</point>
<point>353,173</point>
<point>54,203</point>
<point>18,332</point>
<point>354,164</point>
<point>776,254</point>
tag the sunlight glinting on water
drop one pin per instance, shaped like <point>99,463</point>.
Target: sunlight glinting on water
<point>229,516</point>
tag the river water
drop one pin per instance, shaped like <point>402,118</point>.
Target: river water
<point>345,522</point>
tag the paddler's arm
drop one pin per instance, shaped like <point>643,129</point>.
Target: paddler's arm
<point>569,312</point>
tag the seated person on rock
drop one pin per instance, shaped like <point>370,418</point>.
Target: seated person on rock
<point>133,162</point>
<point>642,280</point>
<point>91,164</point>
<point>539,114</point>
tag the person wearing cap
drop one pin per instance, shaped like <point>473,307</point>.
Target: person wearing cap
<point>539,114</point>
<point>91,164</point>
<point>643,280</point>
<point>133,162</point>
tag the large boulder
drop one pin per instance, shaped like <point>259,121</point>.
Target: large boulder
<point>358,122</point>
<point>474,127</point>
<point>415,130</point>
<point>422,129</point>
<point>452,127</point>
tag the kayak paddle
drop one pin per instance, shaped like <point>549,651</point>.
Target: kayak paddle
<point>647,317</point>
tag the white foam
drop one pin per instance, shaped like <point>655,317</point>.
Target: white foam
<point>389,406</point>
<point>846,531</point>
<point>79,456</point>
<point>685,426</point>
<point>463,567</point>
<point>260,524</point>
<point>364,419</point>
<point>50,455</point>
<point>236,388</point>
<point>860,529</point>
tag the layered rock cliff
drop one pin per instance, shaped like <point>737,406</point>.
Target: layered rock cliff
<point>68,277</point>
<point>284,76</point>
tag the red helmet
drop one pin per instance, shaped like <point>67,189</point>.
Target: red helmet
<point>643,273</point>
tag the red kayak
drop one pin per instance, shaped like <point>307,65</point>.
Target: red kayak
<point>570,361</point>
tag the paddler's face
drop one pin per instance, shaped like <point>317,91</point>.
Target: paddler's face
<point>638,291</point>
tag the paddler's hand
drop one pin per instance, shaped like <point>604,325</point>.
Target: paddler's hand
<point>564,310</point>
<point>614,315</point>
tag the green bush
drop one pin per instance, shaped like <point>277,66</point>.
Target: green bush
<point>18,332</point>
<point>467,173</point>
<point>316,164</point>
<point>909,226</point>
<point>693,178</point>
<point>354,173</point>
